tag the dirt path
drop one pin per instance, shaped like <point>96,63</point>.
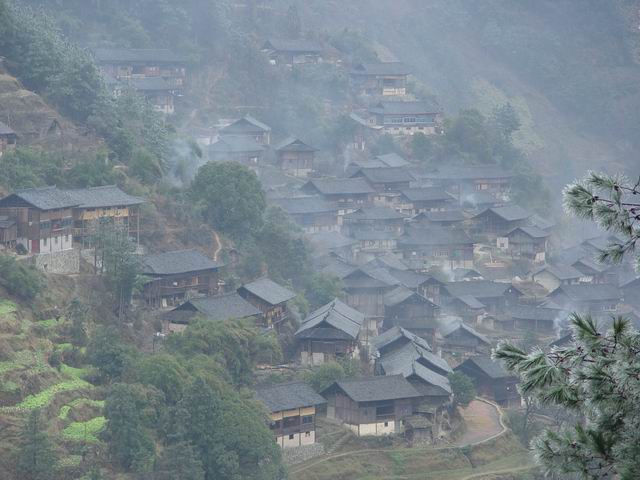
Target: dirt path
<point>218,247</point>
<point>484,422</point>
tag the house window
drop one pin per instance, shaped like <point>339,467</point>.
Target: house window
<point>45,242</point>
<point>384,410</point>
<point>386,424</point>
<point>307,434</point>
<point>307,419</point>
<point>409,119</point>
<point>291,436</point>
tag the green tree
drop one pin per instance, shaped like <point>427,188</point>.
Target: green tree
<point>78,314</point>
<point>165,373</point>
<point>292,23</point>
<point>506,119</point>
<point>179,461</point>
<point>462,387</point>
<point>468,137</point>
<point>322,288</point>
<point>36,456</point>
<point>230,197</point>
<point>130,443</point>
<point>108,353</point>
<point>19,278</point>
<point>324,375</point>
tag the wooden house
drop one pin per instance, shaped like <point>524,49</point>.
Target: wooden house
<point>536,318</point>
<point>248,126</point>
<point>43,219</point>
<point>413,201</point>
<point>552,276</point>
<point>383,78</point>
<point>391,160</point>
<point>588,298</point>
<point>405,308</point>
<point>528,242</point>
<point>460,340</point>
<point>291,52</point>
<point>95,204</point>
<point>312,214</point>
<point>8,139</point>
<point>241,149</point>
<point>428,247</point>
<point>467,181</point>
<point>363,133</point>
<point>268,297</point>
<point>595,272</point>
<point>128,63</point>
<point>333,243</point>
<point>292,409</point>
<point>329,333</point>
<point>631,292</point>
<point>407,118</point>
<point>493,296</point>
<point>492,380</point>
<point>422,283</point>
<point>396,338</point>
<point>372,243</point>
<point>374,219</point>
<point>386,181</point>
<point>348,193</point>
<point>8,232</point>
<point>295,157</point>
<point>408,354</point>
<point>496,222</point>
<point>176,275</point>
<point>216,308</point>
<point>440,219</point>
<point>159,92</point>
<point>373,406</point>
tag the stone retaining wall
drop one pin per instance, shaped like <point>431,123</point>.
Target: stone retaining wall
<point>294,455</point>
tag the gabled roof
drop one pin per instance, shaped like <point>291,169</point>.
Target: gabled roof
<point>44,198</point>
<point>426,194</point>
<point>176,262</point>
<point>412,352</point>
<point>339,186</point>
<point>396,333</point>
<point>479,289</point>
<point>542,223</point>
<point>334,314</point>
<point>434,236</point>
<point>375,389</point>
<point>293,144</point>
<point>450,328</point>
<point>389,260</point>
<point>444,216</point>
<point>385,175</point>
<point>104,196</point>
<point>287,396</point>
<point>406,108</point>
<point>509,213</point>
<point>415,369</point>
<point>292,45</point>
<point>392,160</point>
<point>401,294</point>
<point>589,265</point>
<point>470,172</point>
<point>471,302</point>
<point>560,271</point>
<point>220,307</point>
<point>138,55</point>
<point>381,68</point>
<point>338,268</point>
<point>411,279</point>
<point>374,213</point>
<point>305,205</point>
<point>236,144</point>
<point>488,366</point>
<point>533,232</point>
<point>587,292</point>
<point>630,282</point>
<point>246,124</point>
<point>5,129</point>
<point>269,291</point>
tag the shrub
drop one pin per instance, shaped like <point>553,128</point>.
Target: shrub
<point>20,279</point>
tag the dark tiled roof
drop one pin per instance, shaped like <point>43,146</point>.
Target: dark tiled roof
<point>435,236</point>
<point>409,278</point>
<point>5,129</point>
<point>426,194</point>
<point>448,329</point>
<point>381,68</point>
<point>375,389</point>
<point>479,289</point>
<point>136,55</point>
<point>329,240</point>
<point>105,196</point>
<point>388,260</point>
<point>588,265</point>
<point>287,396</point>
<point>222,307</point>
<point>385,175</point>
<point>246,124</point>
<point>470,173</point>
<point>236,144</point>
<point>292,144</point>
<point>324,333</point>
<point>305,205</point>
<point>542,223</point>
<point>510,213</point>
<point>176,262</point>
<point>45,198</point>
<point>444,216</point>
<point>426,375</point>
<point>490,367</point>
<point>406,108</point>
<point>412,352</point>
<point>335,314</point>
<point>293,45</point>
<point>401,294</point>
<point>339,186</point>
<point>533,232</point>
<point>269,291</point>
<point>392,160</point>
<point>560,271</point>
<point>589,292</point>
<point>374,213</point>
<point>396,333</point>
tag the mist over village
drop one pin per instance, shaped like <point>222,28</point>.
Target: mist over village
<point>318,240</point>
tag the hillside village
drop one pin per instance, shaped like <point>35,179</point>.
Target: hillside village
<point>431,265</point>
